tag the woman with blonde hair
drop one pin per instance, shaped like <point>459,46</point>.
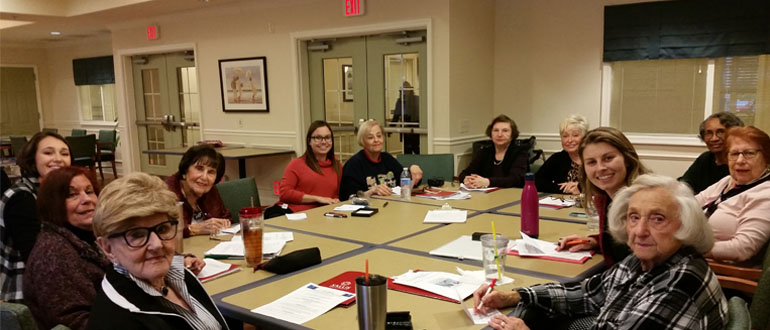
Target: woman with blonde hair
<point>561,172</point>
<point>610,163</point>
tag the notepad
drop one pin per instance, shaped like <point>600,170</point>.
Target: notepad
<point>446,216</point>
<point>216,269</point>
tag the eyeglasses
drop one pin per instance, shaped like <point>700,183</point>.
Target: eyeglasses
<point>321,138</point>
<point>747,154</point>
<point>138,237</point>
<point>720,133</point>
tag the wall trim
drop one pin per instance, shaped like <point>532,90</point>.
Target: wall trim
<point>451,142</point>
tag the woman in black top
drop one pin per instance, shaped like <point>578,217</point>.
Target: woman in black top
<point>559,174</point>
<point>504,165</point>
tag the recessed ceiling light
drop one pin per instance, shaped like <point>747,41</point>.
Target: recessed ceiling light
<point>55,33</point>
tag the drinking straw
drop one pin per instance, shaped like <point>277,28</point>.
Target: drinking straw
<point>366,276</point>
<point>252,201</point>
<point>497,260</point>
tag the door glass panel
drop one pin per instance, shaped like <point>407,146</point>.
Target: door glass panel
<point>338,103</point>
<point>189,104</point>
<point>151,91</point>
<point>402,101</point>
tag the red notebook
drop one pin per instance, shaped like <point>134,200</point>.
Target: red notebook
<point>434,193</point>
<point>581,261</point>
<point>345,282</point>
<point>233,268</point>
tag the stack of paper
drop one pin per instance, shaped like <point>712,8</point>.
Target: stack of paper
<point>304,304</point>
<point>484,190</point>
<point>443,195</point>
<point>556,203</point>
<point>215,269</point>
<point>272,244</point>
<point>530,247</point>
<point>452,286</point>
<point>446,216</point>
<point>348,207</point>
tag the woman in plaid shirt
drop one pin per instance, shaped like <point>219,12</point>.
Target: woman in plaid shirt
<point>664,284</point>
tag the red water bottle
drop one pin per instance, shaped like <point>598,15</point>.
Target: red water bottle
<point>530,212</point>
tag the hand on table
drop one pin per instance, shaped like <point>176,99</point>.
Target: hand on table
<point>380,190</point>
<point>326,200</point>
<point>590,244</point>
<point>416,174</point>
<point>569,188</point>
<point>209,226</point>
<point>194,264</point>
<point>500,322</point>
<point>495,299</point>
<point>476,181</point>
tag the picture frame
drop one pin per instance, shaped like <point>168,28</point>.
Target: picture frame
<point>347,83</point>
<point>243,84</point>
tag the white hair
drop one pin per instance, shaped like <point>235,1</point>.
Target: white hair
<point>574,121</point>
<point>694,231</point>
<point>365,128</point>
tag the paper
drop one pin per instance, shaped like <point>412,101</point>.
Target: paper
<point>530,247</point>
<point>304,304</point>
<point>279,236</point>
<point>461,248</point>
<point>488,189</point>
<point>296,216</point>
<point>446,216</point>
<point>481,318</point>
<point>213,267</point>
<point>478,276</point>
<point>348,207</point>
<point>396,191</point>
<point>272,245</point>
<point>445,284</point>
<point>556,202</point>
<point>443,195</point>
<point>236,228</point>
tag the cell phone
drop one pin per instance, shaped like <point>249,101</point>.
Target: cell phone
<point>578,214</point>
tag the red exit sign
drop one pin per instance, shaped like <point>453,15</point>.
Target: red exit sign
<point>354,7</point>
<point>152,32</point>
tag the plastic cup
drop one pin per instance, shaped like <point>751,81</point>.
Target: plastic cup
<point>592,218</point>
<point>488,254</point>
<point>251,220</point>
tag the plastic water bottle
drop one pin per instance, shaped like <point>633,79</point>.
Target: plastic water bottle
<point>530,212</point>
<point>406,184</point>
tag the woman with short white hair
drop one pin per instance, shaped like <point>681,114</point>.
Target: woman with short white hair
<point>665,284</point>
<point>373,171</point>
<point>560,174</point>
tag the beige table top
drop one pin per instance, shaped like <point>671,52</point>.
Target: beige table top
<point>426,313</point>
<point>198,245</point>
<point>235,153</point>
<point>181,150</point>
<point>509,226</point>
<point>391,222</point>
<point>479,201</point>
<point>549,213</point>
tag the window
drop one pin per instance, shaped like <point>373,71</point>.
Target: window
<point>673,96</point>
<point>97,103</point>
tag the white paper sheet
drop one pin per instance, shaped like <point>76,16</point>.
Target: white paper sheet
<point>272,245</point>
<point>557,202</point>
<point>461,248</point>
<point>446,284</point>
<point>296,216</point>
<point>304,304</point>
<point>464,187</point>
<point>478,276</point>
<point>528,246</point>
<point>446,216</point>
<point>286,236</point>
<point>236,228</point>
<point>213,267</point>
<point>459,195</point>
<point>348,207</point>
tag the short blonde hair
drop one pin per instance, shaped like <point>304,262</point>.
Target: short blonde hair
<point>574,121</point>
<point>695,230</point>
<point>365,128</point>
<point>133,196</point>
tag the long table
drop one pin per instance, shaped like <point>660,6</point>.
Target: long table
<point>229,152</point>
<point>394,240</point>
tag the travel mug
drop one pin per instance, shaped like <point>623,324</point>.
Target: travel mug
<point>372,302</point>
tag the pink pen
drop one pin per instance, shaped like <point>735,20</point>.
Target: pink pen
<point>489,289</point>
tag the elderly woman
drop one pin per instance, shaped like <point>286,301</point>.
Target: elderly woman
<point>665,284</point>
<point>738,206</point>
<point>560,173</point>
<point>711,165</point>
<point>193,184</point>
<point>147,287</point>
<point>502,166</point>
<point>372,171</point>
<point>65,266</point>
<point>314,178</point>
<point>19,224</point>
<point>610,163</point>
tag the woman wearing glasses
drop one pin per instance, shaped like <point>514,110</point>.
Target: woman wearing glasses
<point>147,287</point>
<point>738,206</point>
<point>65,267</point>
<point>313,179</point>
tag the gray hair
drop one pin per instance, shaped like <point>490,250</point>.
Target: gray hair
<point>365,128</point>
<point>725,118</point>
<point>694,231</point>
<point>574,121</point>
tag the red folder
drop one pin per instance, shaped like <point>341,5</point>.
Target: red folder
<point>581,261</point>
<point>344,282</point>
<point>233,268</point>
<point>420,292</point>
<point>434,193</point>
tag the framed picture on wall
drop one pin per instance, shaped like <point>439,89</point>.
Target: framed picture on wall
<point>347,83</point>
<point>244,84</point>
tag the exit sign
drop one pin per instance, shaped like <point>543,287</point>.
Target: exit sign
<point>354,7</point>
<point>152,32</point>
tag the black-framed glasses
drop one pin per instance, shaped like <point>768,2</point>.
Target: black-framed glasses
<point>139,236</point>
<point>318,138</point>
<point>748,154</point>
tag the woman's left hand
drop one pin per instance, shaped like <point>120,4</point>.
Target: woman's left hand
<point>477,181</point>
<point>500,322</point>
<point>569,188</point>
<point>416,174</point>
<point>194,264</point>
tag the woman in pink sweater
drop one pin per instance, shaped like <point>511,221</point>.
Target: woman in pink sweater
<point>313,179</point>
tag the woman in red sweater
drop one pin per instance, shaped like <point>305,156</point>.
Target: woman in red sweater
<point>313,179</point>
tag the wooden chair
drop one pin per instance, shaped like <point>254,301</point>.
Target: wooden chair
<point>78,132</point>
<point>83,151</point>
<point>237,194</point>
<point>743,279</point>
<point>105,150</point>
<point>50,130</point>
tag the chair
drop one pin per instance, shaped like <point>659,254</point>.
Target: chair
<point>529,143</point>
<point>743,279</point>
<point>105,150</point>
<point>50,130</point>
<point>433,166</point>
<point>17,142</point>
<point>237,194</point>
<point>78,132</point>
<point>83,151</point>
<point>756,315</point>
<point>15,316</point>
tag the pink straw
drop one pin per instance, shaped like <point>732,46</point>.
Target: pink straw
<point>367,272</point>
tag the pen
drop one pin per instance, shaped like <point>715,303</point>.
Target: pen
<point>576,242</point>
<point>489,289</point>
<point>336,215</point>
<point>384,205</point>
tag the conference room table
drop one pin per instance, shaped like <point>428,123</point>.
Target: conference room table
<point>238,153</point>
<point>394,240</point>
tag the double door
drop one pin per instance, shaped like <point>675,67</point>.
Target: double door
<point>380,77</point>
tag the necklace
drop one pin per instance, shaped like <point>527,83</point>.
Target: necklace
<point>164,290</point>
<point>497,162</point>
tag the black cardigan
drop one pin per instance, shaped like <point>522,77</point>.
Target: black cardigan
<point>515,164</point>
<point>553,172</point>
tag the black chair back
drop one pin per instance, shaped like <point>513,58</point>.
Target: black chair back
<point>83,150</point>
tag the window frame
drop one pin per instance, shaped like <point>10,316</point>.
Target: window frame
<point>86,122</point>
